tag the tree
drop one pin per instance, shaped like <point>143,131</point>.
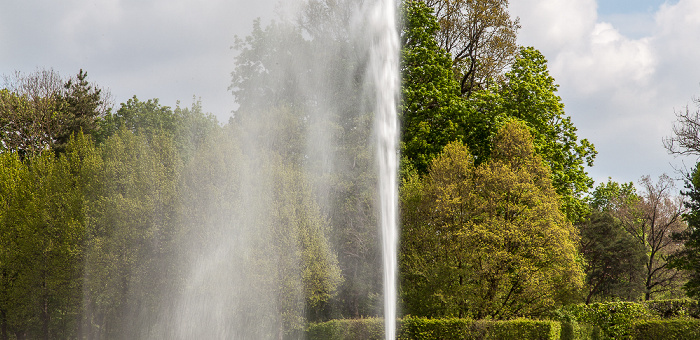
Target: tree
<point>481,38</point>
<point>654,220</point>
<point>41,110</point>
<point>686,139</point>
<point>688,258</point>
<point>83,106</point>
<point>431,110</point>
<point>615,261</point>
<point>487,240</point>
<point>43,229</point>
<point>529,95</point>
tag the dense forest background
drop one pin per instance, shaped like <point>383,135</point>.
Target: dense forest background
<point>105,210</point>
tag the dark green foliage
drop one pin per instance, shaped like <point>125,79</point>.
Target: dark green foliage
<point>674,308</point>
<point>614,259</point>
<point>83,106</point>
<point>431,109</point>
<point>688,259</point>
<point>671,329</point>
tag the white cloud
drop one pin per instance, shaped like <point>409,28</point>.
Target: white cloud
<point>620,90</point>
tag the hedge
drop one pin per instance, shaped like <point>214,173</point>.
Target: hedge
<point>613,319</point>
<point>347,329</point>
<point>669,329</point>
<point>443,329</point>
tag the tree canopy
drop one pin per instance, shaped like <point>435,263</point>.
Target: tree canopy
<point>487,240</point>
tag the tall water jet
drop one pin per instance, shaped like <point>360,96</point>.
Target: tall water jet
<point>385,68</point>
<point>288,213</point>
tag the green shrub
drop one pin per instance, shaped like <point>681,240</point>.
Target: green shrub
<point>447,329</point>
<point>443,329</point>
<point>522,329</point>
<point>614,319</point>
<point>669,329</point>
<point>674,308</point>
<point>572,330</point>
<point>347,329</point>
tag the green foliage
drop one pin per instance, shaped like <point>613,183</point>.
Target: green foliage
<point>674,308</point>
<point>347,329</point>
<point>431,110</point>
<point>614,259</point>
<point>41,110</point>
<point>688,258</point>
<point>614,319</point>
<point>670,329</point>
<point>529,94</point>
<point>42,234</point>
<point>412,328</point>
<point>572,330</point>
<point>487,240</point>
<point>443,328</point>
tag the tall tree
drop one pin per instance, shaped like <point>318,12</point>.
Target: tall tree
<point>431,110</point>
<point>688,258</point>
<point>41,110</point>
<point>529,94</point>
<point>652,223</point>
<point>481,38</point>
<point>487,240</point>
<point>43,231</point>
<point>615,260</point>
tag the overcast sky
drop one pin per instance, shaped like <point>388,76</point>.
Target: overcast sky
<point>624,66</point>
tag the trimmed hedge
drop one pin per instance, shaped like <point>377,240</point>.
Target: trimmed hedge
<point>572,330</point>
<point>347,329</point>
<point>614,319</point>
<point>448,329</point>
<point>669,329</point>
<point>522,329</point>
<point>443,329</point>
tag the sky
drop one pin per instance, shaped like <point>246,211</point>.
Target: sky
<point>623,66</point>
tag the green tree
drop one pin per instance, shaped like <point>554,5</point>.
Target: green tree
<point>43,233</point>
<point>615,261</point>
<point>529,95</point>
<point>480,36</point>
<point>41,110</point>
<point>430,110</point>
<point>133,221</point>
<point>487,240</point>
<point>688,257</point>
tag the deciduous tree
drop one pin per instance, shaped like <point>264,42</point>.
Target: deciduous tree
<point>487,240</point>
<point>480,37</point>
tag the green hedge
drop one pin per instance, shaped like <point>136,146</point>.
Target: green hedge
<point>448,329</point>
<point>443,329</point>
<point>669,329</point>
<point>613,319</point>
<point>347,329</point>
<point>524,329</point>
<point>572,330</point>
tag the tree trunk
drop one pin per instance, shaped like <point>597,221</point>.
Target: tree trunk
<point>3,325</point>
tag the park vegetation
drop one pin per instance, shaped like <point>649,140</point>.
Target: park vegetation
<point>101,207</point>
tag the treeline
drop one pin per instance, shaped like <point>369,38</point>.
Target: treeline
<point>499,217</point>
<point>145,221</point>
